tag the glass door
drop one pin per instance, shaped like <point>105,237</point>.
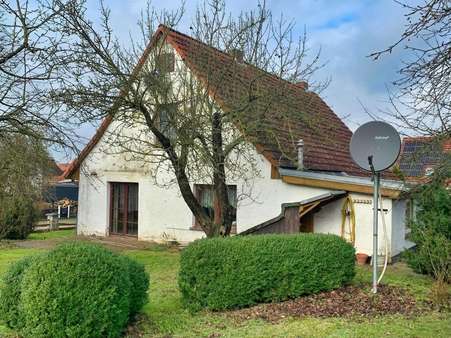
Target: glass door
<point>124,208</point>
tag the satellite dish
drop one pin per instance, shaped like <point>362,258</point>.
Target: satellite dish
<point>376,142</point>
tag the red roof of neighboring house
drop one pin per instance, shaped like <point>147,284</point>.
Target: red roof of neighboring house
<point>63,166</point>
<point>60,171</point>
<point>288,110</point>
<point>447,146</point>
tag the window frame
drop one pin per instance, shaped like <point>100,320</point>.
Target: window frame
<point>165,62</point>
<point>197,191</point>
<point>167,130</point>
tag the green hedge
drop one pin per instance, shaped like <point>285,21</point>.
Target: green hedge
<point>139,280</point>
<point>235,272</point>
<point>17,215</point>
<point>75,290</point>
<point>10,292</point>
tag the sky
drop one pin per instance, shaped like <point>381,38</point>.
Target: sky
<point>347,31</point>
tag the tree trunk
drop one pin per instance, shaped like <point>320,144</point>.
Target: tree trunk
<point>204,220</point>
<point>224,219</point>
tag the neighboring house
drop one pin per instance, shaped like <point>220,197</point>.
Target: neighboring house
<point>421,155</point>
<point>61,194</point>
<point>62,168</point>
<point>315,192</point>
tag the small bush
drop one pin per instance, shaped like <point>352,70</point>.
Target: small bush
<point>10,292</point>
<point>224,273</point>
<point>17,216</point>
<point>432,255</point>
<point>139,284</point>
<point>431,231</point>
<point>75,290</point>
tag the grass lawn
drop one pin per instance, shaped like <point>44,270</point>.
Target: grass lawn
<point>165,317</point>
<point>64,233</point>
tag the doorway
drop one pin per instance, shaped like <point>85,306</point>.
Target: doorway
<point>124,208</point>
<point>306,222</point>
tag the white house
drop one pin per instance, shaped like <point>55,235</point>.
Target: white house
<point>322,191</point>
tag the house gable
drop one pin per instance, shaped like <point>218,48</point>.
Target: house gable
<point>325,136</point>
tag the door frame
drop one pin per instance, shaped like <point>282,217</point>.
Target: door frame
<point>125,219</point>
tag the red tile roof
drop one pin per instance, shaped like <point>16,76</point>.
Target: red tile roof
<point>61,171</point>
<point>63,166</point>
<point>286,111</point>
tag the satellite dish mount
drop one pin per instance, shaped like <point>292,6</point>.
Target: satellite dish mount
<point>374,147</point>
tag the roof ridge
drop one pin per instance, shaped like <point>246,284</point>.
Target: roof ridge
<point>163,26</point>
<point>413,138</point>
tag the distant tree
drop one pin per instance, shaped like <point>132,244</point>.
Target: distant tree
<point>24,174</point>
<point>34,46</point>
<point>176,123</point>
<point>423,101</point>
<point>421,98</point>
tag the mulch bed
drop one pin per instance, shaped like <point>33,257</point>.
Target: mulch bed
<point>349,301</point>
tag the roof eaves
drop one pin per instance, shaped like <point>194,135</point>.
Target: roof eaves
<point>389,184</point>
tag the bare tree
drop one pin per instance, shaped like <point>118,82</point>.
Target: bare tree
<point>33,48</point>
<point>179,120</point>
<point>422,102</point>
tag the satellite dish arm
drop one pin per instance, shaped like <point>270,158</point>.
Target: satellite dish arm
<point>370,162</point>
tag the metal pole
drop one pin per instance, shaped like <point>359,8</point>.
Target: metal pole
<point>376,178</point>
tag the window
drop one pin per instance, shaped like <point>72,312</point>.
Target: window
<point>124,208</point>
<point>166,119</point>
<point>164,63</point>
<point>411,211</point>
<point>206,196</point>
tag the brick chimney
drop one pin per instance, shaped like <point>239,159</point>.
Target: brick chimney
<point>300,149</point>
<point>302,85</point>
<point>237,54</point>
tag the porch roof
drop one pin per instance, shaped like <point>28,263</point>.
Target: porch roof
<point>304,206</point>
<point>389,188</point>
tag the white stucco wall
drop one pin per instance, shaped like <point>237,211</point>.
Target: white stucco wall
<point>329,219</point>
<point>399,242</point>
<point>164,214</point>
<point>162,211</point>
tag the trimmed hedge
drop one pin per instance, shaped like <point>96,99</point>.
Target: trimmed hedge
<point>223,273</point>
<point>10,292</point>
<point>76,290</point>
<point>139,280</point>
